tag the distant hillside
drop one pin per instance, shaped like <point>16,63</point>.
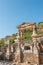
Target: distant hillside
<point>26,34</point>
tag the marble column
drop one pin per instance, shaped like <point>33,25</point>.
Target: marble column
<point>35,49</point>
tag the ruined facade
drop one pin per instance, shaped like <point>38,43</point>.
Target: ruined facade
<point>26,53</point>
<point>30,53</point>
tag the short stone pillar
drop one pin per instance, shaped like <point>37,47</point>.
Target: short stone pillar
<point>20,33</point>
<point>7,55</point>
<point>17,38</point>
<point>35,48</point>
<point>20,37</point>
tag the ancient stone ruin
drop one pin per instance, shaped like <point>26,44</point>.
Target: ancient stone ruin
<point>25,53</point>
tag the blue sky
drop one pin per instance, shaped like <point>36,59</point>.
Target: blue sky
<point>14,12</point>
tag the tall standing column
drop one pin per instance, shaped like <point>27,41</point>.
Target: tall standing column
<point>18,54</point>
<point>35,49</point>
<point>19,50</point>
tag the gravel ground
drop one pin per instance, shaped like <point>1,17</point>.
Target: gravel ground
<point>5,63</point>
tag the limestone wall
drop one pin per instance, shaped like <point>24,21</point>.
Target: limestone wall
<point>28,57</point>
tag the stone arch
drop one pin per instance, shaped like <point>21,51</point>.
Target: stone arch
<point>23,26</point>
